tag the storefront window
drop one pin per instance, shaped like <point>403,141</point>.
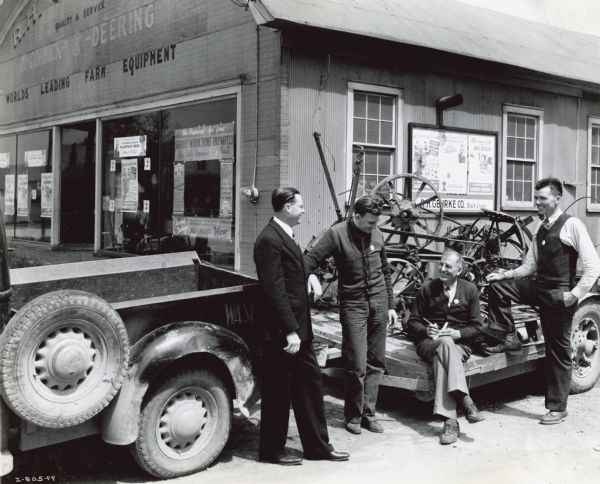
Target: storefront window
<point>168,182</point>
<point>8,161</point>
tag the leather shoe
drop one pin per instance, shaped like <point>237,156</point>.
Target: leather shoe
<point>449,432</point>
<point>353,427</point>
<point>371,425</point>
<point>471,413</point>
<point>333,455</point>
<point>510,344</point>
<point>553,417</point>
<point>283,460</point>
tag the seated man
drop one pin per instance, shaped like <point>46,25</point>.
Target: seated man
<point>453,305</point>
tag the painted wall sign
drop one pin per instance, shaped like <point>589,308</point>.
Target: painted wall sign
<point>460,164</point>
<point>46,190</point>
<point>130,146</point>
<point>209,142</point>
<point>206,228</point>
<point>35,158</point>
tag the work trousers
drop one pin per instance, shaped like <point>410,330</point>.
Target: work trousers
<point>556,320</point>
<point>447,359</point>
<point>294,379</point>
<point>364,329</point>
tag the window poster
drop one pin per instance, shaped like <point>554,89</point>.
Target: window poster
<point>225,204</point>
<point>178,188</point>
<point>203,227</point>
<point>130,146</point>
<point>9,194</point>
<point>206,142</point>
<point>46,195</point>
<point>22,195</point>
<point>4,160</point>
<point>129,185</point>
<point>35,158</point>
<point>461,165</point>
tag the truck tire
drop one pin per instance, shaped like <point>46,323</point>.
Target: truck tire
<point>63,357</point>
<point>585,340</point>
<point>184,425</point>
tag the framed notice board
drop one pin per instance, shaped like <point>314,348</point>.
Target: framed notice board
<point>460,163</point>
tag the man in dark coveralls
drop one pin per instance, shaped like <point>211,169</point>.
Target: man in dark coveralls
<point>558,242</point>
<point>290,370</point>
<point>444,322</point>
<point>366,306</point>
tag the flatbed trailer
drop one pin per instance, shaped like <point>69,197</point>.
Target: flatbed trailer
<point>406,371</point>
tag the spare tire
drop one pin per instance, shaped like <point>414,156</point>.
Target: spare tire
<point>63,357</point>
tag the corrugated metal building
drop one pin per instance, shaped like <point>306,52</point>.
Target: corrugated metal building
<point>150,155</point>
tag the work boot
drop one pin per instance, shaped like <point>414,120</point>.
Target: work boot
<point>372,425</point>
<point>449,432</point>
<point>353,427</point>
<point>510,344</point>
<point>471,413</point>
<point>553,417</point>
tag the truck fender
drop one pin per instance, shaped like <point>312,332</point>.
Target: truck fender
<point>589,296</point>
<point>160,348</point>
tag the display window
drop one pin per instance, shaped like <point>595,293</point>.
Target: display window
<point>168,182</point>
<point>27,187</point>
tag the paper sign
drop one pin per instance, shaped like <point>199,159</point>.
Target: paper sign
<point>4,160</point>
<point>113,165</point>
<point>129,185</point>
<point>22,196</point>
<point>207,142</point>
<point>46,191</point>
<point>130,146</point>
<point>146,206</point>
<point>34,194</point>
<point>35,158</point>
<point>178,188</point>
<point>9,194</point>
<point>204,227</point>
<point>111,206</point>
<point>225,203</point>
<point>146,164</point>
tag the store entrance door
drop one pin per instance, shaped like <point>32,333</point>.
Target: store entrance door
<point>78,144</point>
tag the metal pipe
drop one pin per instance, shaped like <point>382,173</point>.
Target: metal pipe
<point>445,103</point>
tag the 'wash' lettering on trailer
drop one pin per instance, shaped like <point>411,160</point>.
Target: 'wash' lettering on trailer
<point>236,314</point>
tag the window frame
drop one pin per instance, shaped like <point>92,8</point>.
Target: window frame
<point>397,131</point>
<point>538,113</point>
<point>591,206</point>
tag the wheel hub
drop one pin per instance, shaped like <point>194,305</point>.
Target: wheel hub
<point>182,421</point>
<point>584,341</point>
<point>405,214</point>
<point>64,359</point>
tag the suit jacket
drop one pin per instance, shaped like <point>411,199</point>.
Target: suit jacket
<point>463,314</point>
<point>282,278</point>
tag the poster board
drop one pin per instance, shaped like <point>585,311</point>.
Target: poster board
<point>460,164</point>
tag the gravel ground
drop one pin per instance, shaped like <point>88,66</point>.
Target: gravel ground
<point>510,446</point>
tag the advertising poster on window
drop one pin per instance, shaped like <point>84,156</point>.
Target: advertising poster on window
<point>9,194</point>
<point>35,158</point>
<point>129,185</point>
<point>22,196</point>
<point>178,188</point>
<point>46,195</point>
<point>130,146</point>
<point>4,160</point>
<point>461,165</point>
<point>226,202</point>
<point>207,142</point>
<point>203,227</point>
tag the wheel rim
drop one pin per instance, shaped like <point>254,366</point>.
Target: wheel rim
<point>186,423</point>
<point>584,344</point>
<point>67,361</point>
<point>406,278</point>
<point>406,217</point>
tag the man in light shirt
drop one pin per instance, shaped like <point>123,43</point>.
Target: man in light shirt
<point>552,258</point>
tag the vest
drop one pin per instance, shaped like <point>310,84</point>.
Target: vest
<point>556,261</point>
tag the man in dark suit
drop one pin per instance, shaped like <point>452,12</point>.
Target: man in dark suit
<point>290,369</point>
<point>453,304</point>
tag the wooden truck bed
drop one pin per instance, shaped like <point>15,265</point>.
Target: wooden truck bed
<point>407,371</point>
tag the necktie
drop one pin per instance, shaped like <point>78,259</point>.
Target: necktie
<point>447,295</point>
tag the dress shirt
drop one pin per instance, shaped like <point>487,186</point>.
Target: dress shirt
<point>450,291</point>
<point>288,230</point>
<point>574,234</point>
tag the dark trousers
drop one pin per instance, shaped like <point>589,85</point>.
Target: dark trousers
<point>294,379</point>
<point>556,322</point>
<point>364,327</point>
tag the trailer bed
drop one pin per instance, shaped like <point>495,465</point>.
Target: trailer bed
<point>407,371</point>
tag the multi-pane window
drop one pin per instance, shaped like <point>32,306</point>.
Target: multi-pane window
<point>594,165</point>
<point>522,141</point>
<point>374,127</point>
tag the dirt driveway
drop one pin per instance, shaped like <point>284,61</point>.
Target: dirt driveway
<point>510,446</point>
